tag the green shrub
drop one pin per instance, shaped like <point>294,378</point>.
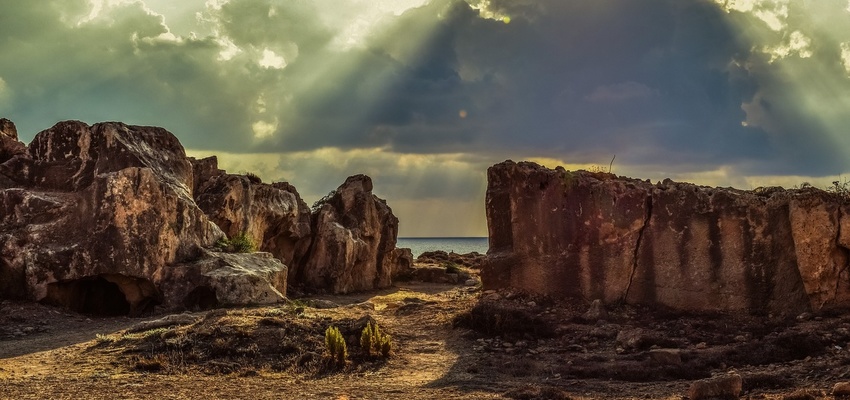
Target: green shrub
<point>335,344</point>
<point>241,243</point>
<point>375,342</point>
<point>452,268</point>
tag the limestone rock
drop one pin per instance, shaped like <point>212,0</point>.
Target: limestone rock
<point>222,279</point>
<point>9,144</point>
<point>596,235</point>
<point>273,215</point>
<point>354,237</point>
<point>97,217</point>
<point>841,389</point>
<point>720,387</point>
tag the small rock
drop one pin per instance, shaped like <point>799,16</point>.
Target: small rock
<point>531,304</point>
<point>841,389</point>
<point>726,386</point>
<point>522,343</point>
<point>507,345</point>
<point>491,291</point>
<point>804,316</point>
<point>596,312</point>
<point>630,338</point>
<point>701,345</point>
<point>740,338</point>
<point>471,282</point>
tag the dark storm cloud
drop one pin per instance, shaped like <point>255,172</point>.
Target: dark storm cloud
<point>656,82</point>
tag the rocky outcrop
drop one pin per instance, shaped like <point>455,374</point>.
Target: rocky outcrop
<point>99,216</point>
<point>598,236</point>
<point>112,219</point>
<point>273,215</point>
<point>354,241</point>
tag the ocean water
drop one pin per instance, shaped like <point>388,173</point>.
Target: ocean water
<point>460,245</point>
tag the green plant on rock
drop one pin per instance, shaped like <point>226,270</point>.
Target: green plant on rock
<point>240,243</point>
<point>375,342</point>
<point>335,344</point>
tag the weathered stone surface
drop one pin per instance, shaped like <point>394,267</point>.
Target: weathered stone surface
<point>354,242</point>
<point>595,235</point>
<point>203,171</point>
<point>720,387</point>
<point>273,215</point>
<point>218,279</point>
<point>562,234</point>
<point>841,389</point>
<point>99,215</point>
<point>9,144</point>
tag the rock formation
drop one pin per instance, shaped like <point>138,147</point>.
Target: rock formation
<point>113,219</point>
<point>97,217</point>
<point>273,215</point>
<point>598,236</point>
<point>354,241</point>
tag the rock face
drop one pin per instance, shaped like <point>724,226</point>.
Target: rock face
<point>97,217</point>
<point>273,215</point>
<point>354,241</point>
<point>113,219</point>
<point>598,236</point>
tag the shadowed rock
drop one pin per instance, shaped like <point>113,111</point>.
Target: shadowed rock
<point>595,235</point>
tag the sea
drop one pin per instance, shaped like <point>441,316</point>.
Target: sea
<point>460,245</point>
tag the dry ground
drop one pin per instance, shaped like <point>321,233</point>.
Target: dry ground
<point>450,342</point>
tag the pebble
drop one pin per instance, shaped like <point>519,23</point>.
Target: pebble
<point>701,345</point>
<point>471,282</point>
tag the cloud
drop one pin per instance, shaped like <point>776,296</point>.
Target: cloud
<point>676,87</point>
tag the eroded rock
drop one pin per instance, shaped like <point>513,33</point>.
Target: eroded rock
<point>353,242</point>
<point>97,217</point>
<point>596,235</point>
<point>274,216</point>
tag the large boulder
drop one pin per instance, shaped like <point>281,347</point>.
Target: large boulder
<point>100,214</point>
<point>354,238</point>
<point>273,215</point>
<point>599,236</point>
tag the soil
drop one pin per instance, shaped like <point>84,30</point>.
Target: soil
<point>448,342</point>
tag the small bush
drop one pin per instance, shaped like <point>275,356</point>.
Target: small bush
<point>452,268</point>
<point>375,342</point>
<point>335,344</point>
<point>241,243</point>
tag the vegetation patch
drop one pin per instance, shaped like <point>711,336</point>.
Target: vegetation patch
<point>240,243</point>
<point>243,342</point>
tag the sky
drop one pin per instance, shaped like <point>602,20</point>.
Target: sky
<point>424,95</point>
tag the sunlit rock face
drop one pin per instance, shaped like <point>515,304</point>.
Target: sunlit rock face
<point>274,215</point>
<point>106,212</point>
<point>599,236</point>
<point>354,238</point>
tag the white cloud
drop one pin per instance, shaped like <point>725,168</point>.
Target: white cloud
<point>271,60</point>
<point>845,56</point>
<point>263,129</point>
<point>797,44</point>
